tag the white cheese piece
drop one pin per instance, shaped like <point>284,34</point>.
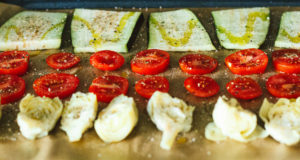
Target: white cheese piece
<point>232,121</point>
<point>170,115</point>
<point>289,31</point>
<point>117,120</point>
<point>32,30</point>
<point>242,28</point>
<point>38,115</point>
<point>178,30</point>
<point>282,120</point>
<point>95,30</point>
<point>79,114</point>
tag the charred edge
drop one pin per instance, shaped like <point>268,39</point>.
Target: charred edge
<point>135,32</point>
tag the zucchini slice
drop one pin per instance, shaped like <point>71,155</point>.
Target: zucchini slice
<point>289,31</point>
<point>178,30</point>
<point>94,30</point>
<point>32,30</point>
<point>242,28</point>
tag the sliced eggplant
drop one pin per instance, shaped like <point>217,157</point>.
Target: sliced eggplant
<point>289,32</point>
<point>32,30</point>
<point>95,30</point>
<point>178,30</point>
<point>242,28</point>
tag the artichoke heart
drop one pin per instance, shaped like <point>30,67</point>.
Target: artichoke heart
<point>38,115</point>
<point>79,114</point>
<point>282,120</point>
<point>232,121</point>
<point>117,120</point>
<point>170,115</point>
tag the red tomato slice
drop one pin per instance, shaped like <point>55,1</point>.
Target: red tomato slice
<point>62,60</point>
<point>244,88</point>
<point>108,87</point>
<point>146,87</point>
<point>284,85</point>
<point>12,88</point>
<point>107,60</point>
<point>56,85</point>
<point>201,86</point>
<point>287,60</point>
<point>150,62</point>
<point>247,61</point>
<point>197,64</point>
<point>14,62</point>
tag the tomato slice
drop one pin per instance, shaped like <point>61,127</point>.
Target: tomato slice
<point>108,87</point>
<point>197,64</point>
<point>146,87</point>
<point>107,60</point>
<point>12,88</point>
<point>287,60</point>
<point>247,61</point>
<point>150,62</point>
<point>201,86</point>
<point>62,60</point>
<point>244,88</point>
<point>284,85</point>
<point>56,85</point>
<point>14,62</point>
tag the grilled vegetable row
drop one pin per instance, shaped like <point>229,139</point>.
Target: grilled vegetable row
<point>179,30</point>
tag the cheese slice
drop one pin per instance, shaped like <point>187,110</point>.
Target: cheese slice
<point>170,115</point>
<point>242,28</point>
<point>178,30</point>
<point>94,30</point>
<point>117,120</point>
<point>38,115</point>
<point>282,120</point>
<point>32,30</point>
<point>79,114</point>
<point>234,122</point>
<point>289,31</point>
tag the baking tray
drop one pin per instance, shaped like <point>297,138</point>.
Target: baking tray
<point>59,4</point>
<point>143,142</point>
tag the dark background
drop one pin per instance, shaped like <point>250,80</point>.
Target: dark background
<point>43,4</point>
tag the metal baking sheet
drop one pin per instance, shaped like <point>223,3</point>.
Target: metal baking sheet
<point>69,4</point>
<point>143,142</point>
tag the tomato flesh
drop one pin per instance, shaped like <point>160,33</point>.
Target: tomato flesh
<point>150,62</point>
<point>56,85</point>
<point>62,60</point>
<point>108,87</point>
<point>197,64</point>
<point>14,62</point>
<point>284,85</point>
<point>201,86</point>
<point>146,87</point>
<point>244,88</point>
<point>247,61</point>
<point>107,60</point>
<point>12,88</point>
<point>286,60</point>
